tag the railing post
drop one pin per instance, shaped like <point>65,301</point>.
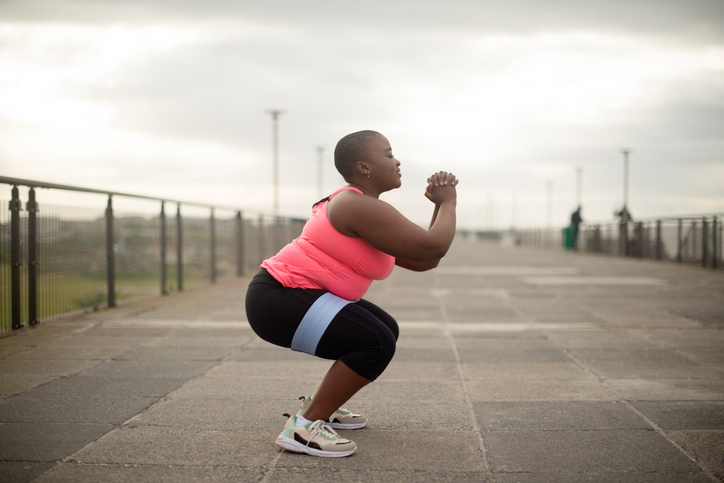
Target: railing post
<point>213,246</point>
<point>714,244</point>
<point>659,247</point>
<point>239,244</point>
<point>110,254</point>
<point>32,207</point>
<point>162,219</point>
<point>179,249</point>
<point>15,259</point>
<point>704,241</point>
<point>693,241</point>
<point>679,241</point>
<point>261,239</point>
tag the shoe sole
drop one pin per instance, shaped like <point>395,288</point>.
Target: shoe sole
<point>297,447</point>
<point>347,426</point>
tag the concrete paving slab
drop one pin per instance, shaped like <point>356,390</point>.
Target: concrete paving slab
<point>270,353</point>
<point>22,471</point>
<point>24,409</point>
<point>305,475</point>
<point>557,416</point>
<point>644,369</point>
<point>409,371</point>
<point>7,350</point>
<point>707,447</point>
<point>50,351</point>
<point>310,369</point>
<point>631,355</point>
<point>668,389</point>
<point>681,415</point>
<point>413,415</point>
<point>110,387</point>
<point>46,442</point>
<point>247,388</point>
<point>628,477</point>
<point>610,452</point>
<point>524,370</point>
<point>506,389</point>
<point>87,473</point>
<point>497,350</point>
<point>53,367</point>
<point>149,368</point>
<point>14,384</point>
<point>217,414</point>
<point>594,383</point>
<point>400,451</point>
<point>437,390</point>
<point>175,354</point>
<point>128,342</point>
<point>105,331</point>
<point>202,341</point>
<point>148,445</point>
<point>24,340</point>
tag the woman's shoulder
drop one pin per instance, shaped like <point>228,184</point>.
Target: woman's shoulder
<point>345,190</point>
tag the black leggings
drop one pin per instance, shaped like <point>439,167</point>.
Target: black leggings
<point>361,335</point>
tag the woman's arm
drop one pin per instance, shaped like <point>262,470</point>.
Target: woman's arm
<point>388,230</point>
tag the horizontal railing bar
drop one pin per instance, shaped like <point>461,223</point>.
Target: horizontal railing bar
<point>41,184</point>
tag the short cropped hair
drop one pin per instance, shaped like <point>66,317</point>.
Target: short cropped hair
<point>351,149</point>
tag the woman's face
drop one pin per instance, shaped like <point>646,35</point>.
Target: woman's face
<point>384,168</point>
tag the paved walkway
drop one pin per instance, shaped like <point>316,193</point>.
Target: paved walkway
<point>513,366</point>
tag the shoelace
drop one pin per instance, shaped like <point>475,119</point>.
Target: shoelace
<point>318,427</point>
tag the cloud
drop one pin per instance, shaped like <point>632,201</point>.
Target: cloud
<point>170,96</point>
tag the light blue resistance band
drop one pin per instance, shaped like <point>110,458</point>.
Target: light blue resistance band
<point>316,321</point>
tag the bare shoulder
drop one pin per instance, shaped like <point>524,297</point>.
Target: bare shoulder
<point>348,207</point>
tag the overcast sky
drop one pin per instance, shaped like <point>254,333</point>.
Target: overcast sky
<point>168,98</point>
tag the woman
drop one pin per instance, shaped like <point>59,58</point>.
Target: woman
<point>308,296</point>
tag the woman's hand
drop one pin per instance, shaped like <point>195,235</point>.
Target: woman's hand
<point>441,187</point>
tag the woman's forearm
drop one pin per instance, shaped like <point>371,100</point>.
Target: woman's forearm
<point>443,226</point>
<point>434,216</point>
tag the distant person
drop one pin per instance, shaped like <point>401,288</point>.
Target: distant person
<point>575,221</point>
<point>308,296</point>
<point>624,215</point>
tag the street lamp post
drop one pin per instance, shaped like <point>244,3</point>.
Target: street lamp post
<point>626,152</point>
<point>275,113</point>
<point>579,170</point>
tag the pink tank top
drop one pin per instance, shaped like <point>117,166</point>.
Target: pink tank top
<point>323,258</point>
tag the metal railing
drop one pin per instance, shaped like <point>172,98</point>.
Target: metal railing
<point>58,261</point>
<point>684,239</point>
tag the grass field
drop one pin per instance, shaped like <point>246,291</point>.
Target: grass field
<point>68,294</point>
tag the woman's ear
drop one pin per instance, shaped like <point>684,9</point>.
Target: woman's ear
<point>362,168</point>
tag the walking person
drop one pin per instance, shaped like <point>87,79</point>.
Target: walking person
<point>308,297</point>
<point>576,220</point>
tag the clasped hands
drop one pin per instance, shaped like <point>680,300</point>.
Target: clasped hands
<point>441,187</point>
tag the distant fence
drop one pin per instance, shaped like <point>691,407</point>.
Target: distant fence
<point>684,239</point>
<point>59,261</point>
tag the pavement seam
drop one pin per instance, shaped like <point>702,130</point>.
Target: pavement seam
<point>466,393</point>
<point>648,421</point>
